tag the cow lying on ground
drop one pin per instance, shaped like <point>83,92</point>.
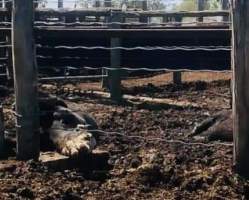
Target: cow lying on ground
<point>217,127</point>
<point>70,133</point>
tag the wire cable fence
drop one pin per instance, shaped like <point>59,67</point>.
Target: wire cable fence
<point>131,69</point>
<point>154,49</point>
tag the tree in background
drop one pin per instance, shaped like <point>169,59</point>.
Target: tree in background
<point>156,5</point>
<point>41,3</point>
<point>214,4</point>
<point>152,4</point>
<point>189,5</point>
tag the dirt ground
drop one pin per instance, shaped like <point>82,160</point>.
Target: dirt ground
<point>146,166</point>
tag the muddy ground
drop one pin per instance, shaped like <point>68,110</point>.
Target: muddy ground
<point>147,166</point>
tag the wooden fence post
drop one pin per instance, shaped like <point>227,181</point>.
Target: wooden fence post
<point>60,4</point>
<point>144,8</point>
<point>200,7</point>
<point>2,39</point>
<point>25,79</point>
<point>82,18</point>
<point>177,76</point>
<point>225,6</point>
<point>240,65</point>
<point>114,76</point>
<point>165,20</point>
<point>97,5</point>
<point>105,81</point>
<point>107,3</point>
<point>1,132</point>
<point>8,51</point>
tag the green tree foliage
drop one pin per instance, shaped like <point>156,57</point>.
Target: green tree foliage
<point>184,5</point>
<point>188,5</point>
<point>156,5</point>
<point>152,4</point>
<point>214,4</point>
<point>42,3</point>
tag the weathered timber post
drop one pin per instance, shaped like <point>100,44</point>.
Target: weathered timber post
<point>97,5</point>
<point>144,19</point>
<point>8,55</point>
<point>2,38</point>
<point>8,4</point>
<point>70,19</point>
<point>177,76</point>
<point>240,66</point>
<point>35,3</point>
<point>114,76</point>
<point>105,82</point>
<point>1,132</point>
<point>107,3</point>
<point>200,7</point>
<point>225,6</point>
<point>8,52</point>
<point>60,4</point>
<point>83,18</point>
<point>165,19</point>
<point>25,80</point>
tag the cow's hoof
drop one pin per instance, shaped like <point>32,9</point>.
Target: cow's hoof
<point>78,144</point>
<point>71,142</point>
